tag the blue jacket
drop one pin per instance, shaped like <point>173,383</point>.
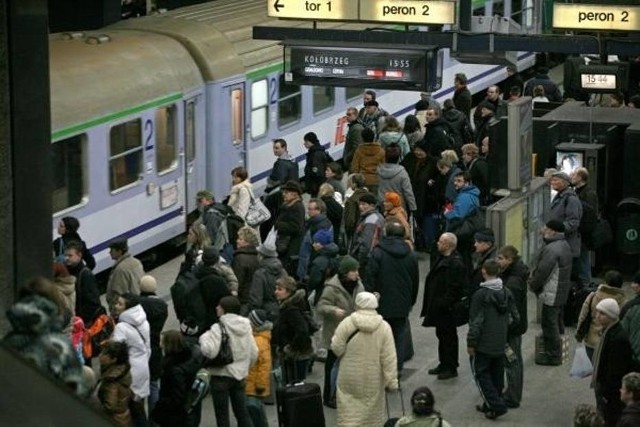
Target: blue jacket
<point>466,203</point>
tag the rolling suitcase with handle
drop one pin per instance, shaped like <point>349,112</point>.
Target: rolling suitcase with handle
<point>300,404</point>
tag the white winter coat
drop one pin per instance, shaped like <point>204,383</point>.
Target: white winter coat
<point>367,366</point>
<point>133,329</point>
<point>240,198</point>
<point>243,346</point>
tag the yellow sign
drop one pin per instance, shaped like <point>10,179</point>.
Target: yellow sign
<point>409,11</point>
<point>596,17</point>
<point>322,10</point>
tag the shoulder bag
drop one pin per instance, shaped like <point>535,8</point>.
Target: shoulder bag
<point>257,212</point>
<point>225,354</point>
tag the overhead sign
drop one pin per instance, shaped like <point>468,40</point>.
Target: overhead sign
<point>409,11</point>
<point>325,10</point>
<point>596,17</point>
<point>388,11</point>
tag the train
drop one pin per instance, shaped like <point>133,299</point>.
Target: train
<point>148,111</point>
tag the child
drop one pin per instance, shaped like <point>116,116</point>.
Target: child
<point>258,381</point>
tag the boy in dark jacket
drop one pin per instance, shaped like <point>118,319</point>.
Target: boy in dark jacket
<point>630,395</point>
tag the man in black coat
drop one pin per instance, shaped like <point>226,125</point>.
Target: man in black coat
<point>438,131</point>
<point>444,286</point>
<point>485,248</point>
<point>157,312</point>
<point>353,138</point>
<point>461,95</point>
<point>88,304</point>
<point>590,209</point>
<point>392,275</point>
<point>213,286</point>
<point>285,167</point>
<point>611,361</point>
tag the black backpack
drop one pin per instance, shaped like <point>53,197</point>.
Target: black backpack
<point>189,304</point>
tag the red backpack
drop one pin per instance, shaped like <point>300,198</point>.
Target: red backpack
<point>100,331</point>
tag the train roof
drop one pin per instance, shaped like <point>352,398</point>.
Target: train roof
<point>219,35</point>
<point>93,80</point>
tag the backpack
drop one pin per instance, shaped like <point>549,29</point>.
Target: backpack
<point>100,331</point>
<point>189,304</point>
<point>223,224</point>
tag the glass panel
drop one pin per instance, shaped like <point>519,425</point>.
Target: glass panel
<point>190,130</point>
<point>259,98</point>
<point>166,153</point>
<point>237,116</point>
<point>68,172</point>
<point>258,122</point>
<point>323,98</point>
<point>125,161</point>
<point>259,94</point>
<point>289,103</point>
<point>353,93</point>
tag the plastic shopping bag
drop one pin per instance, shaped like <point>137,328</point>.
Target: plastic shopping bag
<point>581,366</point>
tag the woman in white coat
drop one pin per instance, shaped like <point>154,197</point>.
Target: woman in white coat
<point>364,343</point>
<point>133,329</point>
<point>241,192</point>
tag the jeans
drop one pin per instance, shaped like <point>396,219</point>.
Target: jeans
<point>582,266</point>
<point>154,394</point>
<point>329,390</point>
<point>488,372</point>
<point>399,330</point>
<point>513,392</point>
<point>551,331</point>
<point>224,389</point>
<point>447,335</point>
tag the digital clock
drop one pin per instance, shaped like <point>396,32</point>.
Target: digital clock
<point>600,78</point>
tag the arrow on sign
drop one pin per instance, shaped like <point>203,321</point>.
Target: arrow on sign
<point>277,6</point>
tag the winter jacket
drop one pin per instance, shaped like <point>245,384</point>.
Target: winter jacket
<point>476,275</point>
<point>157,312</point>
<point>387,138</point>
<point>178,373</point>
<point>460,127</point>
<point>243,346</point>
<point>258,381</point>
<point>59,246</point>
<point>462,101</point>
<point>414,137</point>
<point>489,318</point>
<point>263,287</point>
<point>114,393</point>
<point>436,137</point>
<point>589,306</point>
<point>515,278</point>
<point>325,261</point>
<point>87,295</point>
<point>306,254</point>
<point>366,236</point>
<point>352,211</point>
<point>393,272</point>
<point>291,336</point>
<point>551,269</point>
<point>66,287</point>
<point>334,295</point>
<point>478,169</point>
<point>314,168</point>
<point>352,141</point>
<point>368,366</point>
<point>240,198</point>
<point>630,321</point>
<point>374,121</point>
<point>245,263</point>
<point>587,196</point>
<point>393,177</point>
<point>284,169</point>
<point>466,203</point>
<point>133,329</point>
<point>450,193</point>
<point>124,278</point>
<point>444,286</point>
<point>366,160</point>
<point>567,208</point>
<point>212,288</point>
<point>611,361</point>
<point>413,420</point>
<point>630,416</point>
<point>290,224</point>
<point>420,172</point>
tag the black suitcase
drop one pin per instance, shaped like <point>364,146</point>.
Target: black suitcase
<point>300,404</point>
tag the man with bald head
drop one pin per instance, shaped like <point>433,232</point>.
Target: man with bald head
<point>443,288</point>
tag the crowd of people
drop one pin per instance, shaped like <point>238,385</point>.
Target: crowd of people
<point>334,279</point>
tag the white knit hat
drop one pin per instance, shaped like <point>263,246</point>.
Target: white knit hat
<point>609,307</point>
<point>366,300</point>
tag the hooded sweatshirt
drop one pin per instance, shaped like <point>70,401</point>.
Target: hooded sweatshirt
<point>243,346</point>
<point>394,177</point>
<point>133,329</point>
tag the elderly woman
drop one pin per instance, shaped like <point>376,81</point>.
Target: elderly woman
<point>478,169</point>
<point>241,191</point>
<point>368,366</point>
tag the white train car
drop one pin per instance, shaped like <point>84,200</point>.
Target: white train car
<point>148,111</point>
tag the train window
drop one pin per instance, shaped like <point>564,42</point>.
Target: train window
<point>353,93</point>
<point>323,98</point>
<point>125,161</point>
<point>289,102</point>
<point>68,172</point>
<point>259,98</point>
<point>190,130</point>
<point>166,153</point>
<point>237,116</point>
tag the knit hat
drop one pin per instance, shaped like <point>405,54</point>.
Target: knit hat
<point>368,198</point>
<point>210,255</point>
<point>324,236</point>
<point>257,317</point>
<point>267,250</point>
<point>366,300</point>
<point>609,307</point>
<point>563,176</point>
<point>485,235</point>
<point>347,264</point>
<point>148,284</point>
<point>555,225</point>
<point>393,198</point>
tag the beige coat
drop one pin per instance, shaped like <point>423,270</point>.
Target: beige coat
<point>368,366</point>
<point>595,330</point>
<point>334,296</point>
<point>66,287</point>
<point>240,198</point>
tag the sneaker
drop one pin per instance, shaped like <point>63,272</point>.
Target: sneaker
<point>492,415</point>
<point>436,370</point>
<point>447,374</point>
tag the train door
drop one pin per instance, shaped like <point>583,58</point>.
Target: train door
<point>236,101</point>
<point>194,155</point>
<point>229,150</point>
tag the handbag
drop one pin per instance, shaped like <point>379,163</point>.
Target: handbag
<point>257,212</point>
<point>225,354</point>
